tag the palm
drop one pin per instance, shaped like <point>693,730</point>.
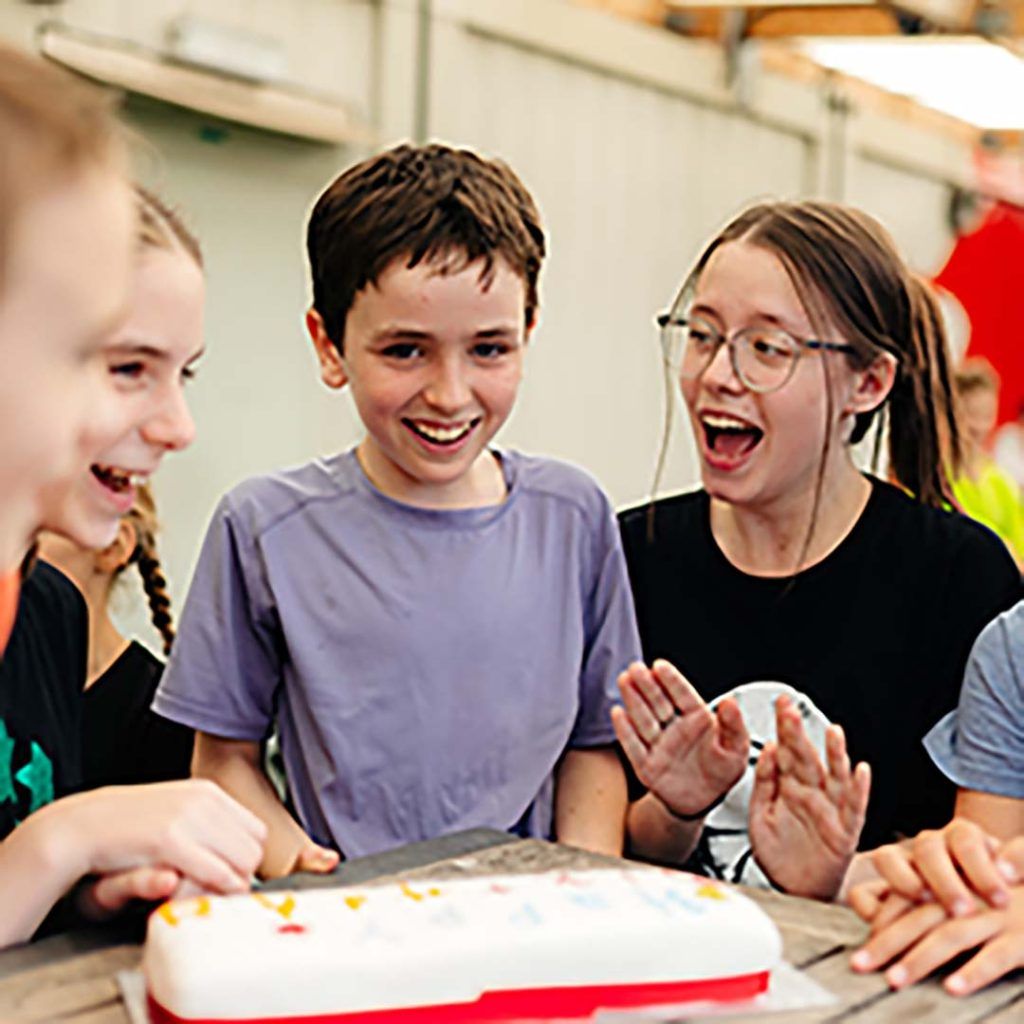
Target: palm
<point>687,767</point>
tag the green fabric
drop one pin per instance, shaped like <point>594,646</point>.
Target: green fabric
<point>993,499</point>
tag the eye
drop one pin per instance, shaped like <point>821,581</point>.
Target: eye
<point>771,347</point>
<point>189,373</point>
<point>489,350</point>
<point>700,337</point>
<point>401,350</point>
<point>131,370</point>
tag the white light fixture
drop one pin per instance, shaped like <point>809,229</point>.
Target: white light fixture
<point>975,81</point>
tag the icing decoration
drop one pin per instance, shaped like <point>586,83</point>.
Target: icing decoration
<point>555,945</point>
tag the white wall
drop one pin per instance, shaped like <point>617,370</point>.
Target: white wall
<point>630,138</point>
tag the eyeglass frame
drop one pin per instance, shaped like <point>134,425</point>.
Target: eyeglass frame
<point>669,319</point>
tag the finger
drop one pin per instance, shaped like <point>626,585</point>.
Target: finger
<point>629,739</point>
<point>893,863</point>
<point>1010,860</point>
<point>971,850</point>
<point>645,722</point>
<point>205,867</point>
<point>683,696</point>
<point>836,756</point>
<point>854,806</point>
<point>940,945</point>
<point>765,789</point>
<point>656,695</point>
<point>732,729</point>
<point>892,909</point>
<point>797,755</point>
<point>899,936</point>
<point>240,816</point>
<point>112,892</point>
<point>317,859</point>
<point>934,864</point>
<point>996,958</point>
<point>866,899</point>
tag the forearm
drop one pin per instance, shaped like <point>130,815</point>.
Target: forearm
<point>999,816</point>
<point>590,801</point>
<point>654,833</point>
<point>235,766</point>
<point>38,865</point>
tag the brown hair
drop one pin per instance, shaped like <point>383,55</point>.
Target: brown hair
<point>143,518</point>
<point>976,375</point>
<point>51,126</point>
<point>447,206</point>
<point>162,227</point>
<point>850,278</point>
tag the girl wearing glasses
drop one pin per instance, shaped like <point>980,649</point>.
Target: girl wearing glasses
<point>793,574</point>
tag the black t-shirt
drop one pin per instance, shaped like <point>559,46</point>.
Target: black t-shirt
<point>124,742</point>
<point>41,678</point>
<point>876,635</point>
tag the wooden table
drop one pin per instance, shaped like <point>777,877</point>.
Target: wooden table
<point>72,977</point>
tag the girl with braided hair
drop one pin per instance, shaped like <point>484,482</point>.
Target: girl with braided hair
<point>794,590</point>
<point>123,741</point>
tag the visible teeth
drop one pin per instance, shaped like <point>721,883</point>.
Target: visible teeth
<point>443,435</point>
<point>725,422</point>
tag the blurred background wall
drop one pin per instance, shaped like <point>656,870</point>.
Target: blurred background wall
<point>637,145</point>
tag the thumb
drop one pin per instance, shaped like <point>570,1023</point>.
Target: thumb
<point>110,893</point>
<point>733,729</point>
<point>317,859</point>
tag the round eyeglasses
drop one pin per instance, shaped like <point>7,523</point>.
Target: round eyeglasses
<point>763,358</point>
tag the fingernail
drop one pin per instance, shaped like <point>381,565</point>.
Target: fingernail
<point>896,976</point>
<point>999,897</point>
<point>861,960</point>
<point>961,908</point>
<point>956,984</point>
<point>1007,870</point>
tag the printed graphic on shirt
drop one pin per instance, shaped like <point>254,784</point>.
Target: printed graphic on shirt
<point>26,777</point>
<point>724,848</point>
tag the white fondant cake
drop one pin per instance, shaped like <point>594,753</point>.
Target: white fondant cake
<point>557,944</point>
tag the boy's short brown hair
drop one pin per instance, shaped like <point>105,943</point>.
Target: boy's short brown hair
<point>434,203</point>
<point>51,125</point>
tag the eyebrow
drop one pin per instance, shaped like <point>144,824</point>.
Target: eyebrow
<point>415,334</point>
<point>141,348</point>
<point>770,318</point>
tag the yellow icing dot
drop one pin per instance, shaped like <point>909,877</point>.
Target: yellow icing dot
<point>711,892</point>
<point>284,908</point>
<point>354,902</point>
<point>166,910</point>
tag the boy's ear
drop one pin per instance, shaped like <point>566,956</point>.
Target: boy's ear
<point>116,554</point>
<point>873,384</point>
<point>332,368</point>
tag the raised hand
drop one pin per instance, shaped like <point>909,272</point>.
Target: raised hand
<point>806,818</point>
<point>684,753</point>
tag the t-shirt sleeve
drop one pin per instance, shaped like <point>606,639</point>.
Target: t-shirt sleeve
<point>981,744</point>
<point>225,668</point>
<point>611,639</point>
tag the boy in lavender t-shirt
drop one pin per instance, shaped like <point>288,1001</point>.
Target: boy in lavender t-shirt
<point>435,626</point>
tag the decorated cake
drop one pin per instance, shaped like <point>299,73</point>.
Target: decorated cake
<point>555,945</point>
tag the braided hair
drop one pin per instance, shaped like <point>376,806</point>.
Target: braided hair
<point>144,556</point>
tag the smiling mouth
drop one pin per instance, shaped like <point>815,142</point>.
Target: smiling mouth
<point>120,481</point>
<point>439,434</point>
<point>730,437</point>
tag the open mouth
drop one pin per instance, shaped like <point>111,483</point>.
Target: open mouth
<point>120,481</point>
<point>729,436</point>
<point>444,435</point>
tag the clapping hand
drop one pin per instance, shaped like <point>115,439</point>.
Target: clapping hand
<point>687,755</point>
<point>805,817</point>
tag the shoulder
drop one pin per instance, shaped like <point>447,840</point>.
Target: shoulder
<point>932,532</point>
<point>263,502</point>
<point>559,483</point>
<point>999,649</point>
<point>46,590</point>
<point>669,516</point>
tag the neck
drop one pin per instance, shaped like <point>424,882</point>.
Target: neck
<point>106,644</point>
<point>770,539</point>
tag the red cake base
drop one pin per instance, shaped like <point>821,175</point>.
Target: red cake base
<point>574,1003</point>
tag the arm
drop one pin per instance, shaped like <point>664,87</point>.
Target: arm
<point>999,816</point>
<point>145,839</point>
<point>590,801</point>
<point>235,766</point>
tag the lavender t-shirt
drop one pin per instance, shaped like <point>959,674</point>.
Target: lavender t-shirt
<point>427,668</point>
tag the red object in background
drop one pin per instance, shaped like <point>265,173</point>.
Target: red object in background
<point>9,588</point>
<point>985,271</point>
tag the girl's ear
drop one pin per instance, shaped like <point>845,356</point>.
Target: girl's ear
<point>116,555</point>
<point>873,384</point>
<point>332,367</point>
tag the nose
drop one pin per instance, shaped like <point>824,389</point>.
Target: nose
<point>171,425</point>
<point>719,373</point>
<point>448,389</point>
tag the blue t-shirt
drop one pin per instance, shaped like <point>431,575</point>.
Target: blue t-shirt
<point>981,744</point>
<point>427,668</point>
